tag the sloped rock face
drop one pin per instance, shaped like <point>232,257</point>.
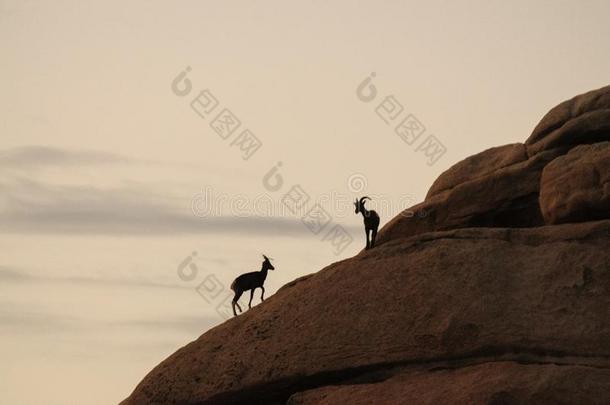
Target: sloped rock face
<point>501,187</point>
<point>505,197</point>
<point>576,186</point>
<point>473,299</point>
<point>582,119</point>
<point>539,295</point>
<point>497,383</point>
<point>478,166</point>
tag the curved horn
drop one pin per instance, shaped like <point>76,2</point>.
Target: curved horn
<point>364,198</point>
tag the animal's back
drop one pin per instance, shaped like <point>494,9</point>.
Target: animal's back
<point>375,217</point>
<point>246,281</point>
<point>372,217</point>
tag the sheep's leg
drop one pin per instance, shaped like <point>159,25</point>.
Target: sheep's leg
<point>263,293</point>
<point>373,237</point>
<point>366,233</point>
<point>234,302</point>
<point>251,295</point>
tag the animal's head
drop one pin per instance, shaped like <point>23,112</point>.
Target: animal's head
<point>359,204</point>
<point>267,263</point>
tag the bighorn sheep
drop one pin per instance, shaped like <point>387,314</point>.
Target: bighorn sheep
<point>250,281</point>
<point>371,221</point>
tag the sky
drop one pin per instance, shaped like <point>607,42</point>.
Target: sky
<point>128,204</point>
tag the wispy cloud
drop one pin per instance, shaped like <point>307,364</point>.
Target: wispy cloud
<point>28,206</point>
<point>7,274</point>
<point>18,321</point>
<point>189,324</point>
<point>27,157</point>
<point>22,276</point>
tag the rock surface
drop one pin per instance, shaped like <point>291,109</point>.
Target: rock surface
<point>478,166</point>
<point>576,186</point>
<point>498,383</point>
<point>582,119</point>
<point>479,297</point>
<point>506,197</point>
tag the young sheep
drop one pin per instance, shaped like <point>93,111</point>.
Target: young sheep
<point>250,281</point>
<point>371,221</point>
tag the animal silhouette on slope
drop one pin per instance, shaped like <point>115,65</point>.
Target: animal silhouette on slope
<point>371,221</point>
<point>250,281</point>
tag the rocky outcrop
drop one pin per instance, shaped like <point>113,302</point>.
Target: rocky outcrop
<point>504,197</point>
<point>497,383</point>
<point>478,166</point>
<point>539,295</point>
<point>479,297</point>
<point>582,119</point>
<point>576,187</point>
<point>501,187</point>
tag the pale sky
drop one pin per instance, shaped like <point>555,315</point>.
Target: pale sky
<point>100,160</point>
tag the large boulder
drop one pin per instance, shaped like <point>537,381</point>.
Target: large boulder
<point>500,187</point>
<point>538,295</point>
<point>478,166</point>
<point>506,196</point>
<point>576,187</point>
<point>582,119</point>
<point>480,294</point>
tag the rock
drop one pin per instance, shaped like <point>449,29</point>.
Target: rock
<point>582,119</point>
<point>576,186</point>
<point>505,197</point>
<point>500,187</point>
<point>490,292</point>
<point>538,295</point>
<point>496,383</point>
<point>478,166</point>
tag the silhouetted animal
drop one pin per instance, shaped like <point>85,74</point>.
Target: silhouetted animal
<point>250,281</point>
<point>371,221</point>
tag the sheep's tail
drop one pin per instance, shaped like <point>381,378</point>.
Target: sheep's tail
<point>233,285</point>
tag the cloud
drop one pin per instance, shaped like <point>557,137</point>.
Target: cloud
<point>28,206</point>
<point>28,157</point>
<point>33,206</point>
<point>190,324</point>
<point>19,321</point>
<point>36,157</point>
<point>19,276</point>
<point>22,322</point>
<point>7,274</point>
